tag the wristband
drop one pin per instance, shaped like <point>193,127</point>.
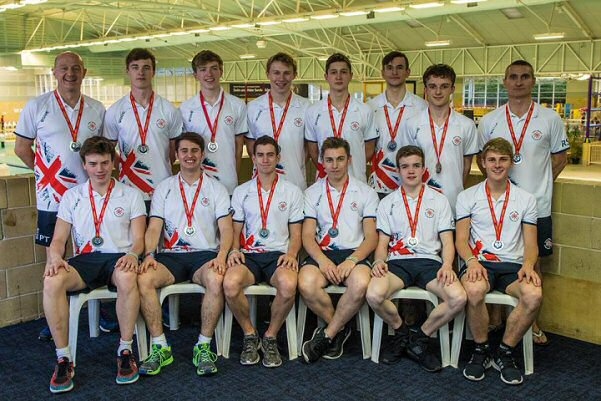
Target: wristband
<point>377,261</point>
<point>352,259</point>
<point>235,250</point>
<point>147,254</point>
<point>135,255</point>
<point>468,259</point>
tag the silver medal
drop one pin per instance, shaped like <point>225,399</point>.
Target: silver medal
<point>412,241</point>
<point>517,158</point>
<point>143,148</point>
<point>189,231</point>
<point>263,233</point>
<point>498,245</point>
<point>333,232</point>
<point>212,147</point>
<point>97,241</point>
<point>75,146</point>
<point>392,146</point>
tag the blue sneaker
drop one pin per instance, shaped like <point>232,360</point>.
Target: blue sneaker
<point>45,334</point>
<point>107,323</point>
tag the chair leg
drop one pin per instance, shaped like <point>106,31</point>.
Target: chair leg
<point>252,309</point>
<point>75,304</point>
<point>291,333</point>
<point>365,330</point>
<point>300,323</point>
<point>174,312</point>
<point>377,339</point>
<point>445,351</point>
<point>227,332</point>
<point>219,335</point>
<point>141,337</point>
<point>528,352</point>
<point>458,326</point>
<point>94,317</point>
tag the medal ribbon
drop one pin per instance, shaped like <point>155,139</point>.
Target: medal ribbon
<point>187,209</point>
<point>277,131</point>
<point>265,211</point>
<point>438,149</point>
<point>212,126</point>
<point>98,220</point>
<point>143,131</point>
<point>336,213</point>
<point>498,224</point>
<point>413,223</point>
<point>393,132</point>
<point>518,143</point>
<point>338,132</point>
<point>74,131</point>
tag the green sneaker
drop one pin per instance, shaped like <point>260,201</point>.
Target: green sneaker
<point>159,358</point>
<point>204,360</point>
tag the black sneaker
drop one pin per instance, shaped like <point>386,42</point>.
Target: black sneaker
<point>398,346</point>
<point>419,350</point>
<point>504,363</point>
<point>480,360</point>
<point>336,347</point>
<point>251,344</point>
<point>314,349</point>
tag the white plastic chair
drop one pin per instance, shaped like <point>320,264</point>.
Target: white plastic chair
<point>494,297</point>
<point>414,293</point>
<point>252,292</point>
<point>363,323</point>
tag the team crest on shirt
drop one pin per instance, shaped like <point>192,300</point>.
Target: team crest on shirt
<point>355,126</point>
<point>456,140</point>
<point>204,201</point>
<point>282,206</point>
<point>548,243</point>
<point>161,123</point>
<point>298,122</point>
<point>514,215</point>
<point>354,206</point>
<point>92,126</point>
<point>429,213</point>
<point>537,135</point>
<point>228,120</point>
<point>119,211</point>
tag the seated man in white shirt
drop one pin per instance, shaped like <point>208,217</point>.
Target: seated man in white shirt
<point>190,213</point>
<point>268,212</point>
<point>339,233</point>
<point>496,237</point>
<point>106,220</point>
<point>415,225</point>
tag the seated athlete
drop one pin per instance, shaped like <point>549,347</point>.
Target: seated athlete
<point>268,212</point>
<point>496,237</point>
<point>190,211</point>
<point>106,220</point>
<point>339,233</point>
<point>415,225</point>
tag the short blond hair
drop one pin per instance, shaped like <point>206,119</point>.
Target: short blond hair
<point>498,145</point>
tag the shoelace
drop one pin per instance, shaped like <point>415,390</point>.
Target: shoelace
<point>249,344</point>
<point>63,368</point>
<point>205,354</point>
<point>125,360</point>
<point>270,346</point>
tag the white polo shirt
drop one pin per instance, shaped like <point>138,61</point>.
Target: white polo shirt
<point>143,170</point>
<point>232,122</point>
<point>384,177</point>
<point>360,202</point>
<point>286,208</point>
<point>167,204</point>
<point>461,140</point>
<point>435,217</point>
<point>359,127</point>
<point>56,167</point>
<point>546,135</point>
<point>125,204</point>
<point>292,136</point>
<point>472,203</point>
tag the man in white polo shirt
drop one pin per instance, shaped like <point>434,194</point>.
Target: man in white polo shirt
<point>391,109</point>
<point>280,113</point>
<point>415,247</point>
<point>448,139</point>
<point>341,116</point>
<point>268,212</point>
<point>540,144</point>
<point>144,124</point>
<point>190,213</point>
<point>220,118</point>
<point>496,238</point>
<point>106,220</point>
<point>339,233</point>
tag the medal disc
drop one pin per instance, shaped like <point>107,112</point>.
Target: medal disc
<point>143,148</point>
<point>412,241</point>
<point>438,168</point>
<point>263,233</point>
<point>190,231</point>
<point>498,245</point>
<point>517,158</point>
<point>333,232</point>
<point>75,146</point>
<point>212,147</point>
<point>392,146</point>
<point>97,241</point>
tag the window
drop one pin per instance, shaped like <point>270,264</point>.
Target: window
<point>489,92</point>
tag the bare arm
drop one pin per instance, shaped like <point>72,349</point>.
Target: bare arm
<point>475,270</point>
<point>226,234</point>
<point>313,151</point>
<point>172,151</point>
<point>57,248</point>
<point>151,243</point>
<point>380,266</point>
<point>250,143</point>
<point>527,271</point>
<point>370,147</point>
<point>24,151</point>
<point>558,163</point>
<point>290,259</point>
<point>446,274</point>
<point>467,167</point>
<point>129,261</point>
<point>239,148</point>
<point>480,165</point>
<point>236,256</point>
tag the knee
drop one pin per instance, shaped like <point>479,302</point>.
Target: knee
<point>145,283</point>
<point>287,288</point>
<point>532,298</point>
<point>475,294</point>
<point>457,301</point>
<point>307,283</point>
<point>357,289</point>
<point>232,286</point>
<point>374,297</point>
<point>53,285</point>
<point>126,282</point>
<point>214,284</point>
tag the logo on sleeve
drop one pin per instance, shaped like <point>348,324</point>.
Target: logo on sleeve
<point>119,211</point>
<point>161,123</point>
<point>514,215</point>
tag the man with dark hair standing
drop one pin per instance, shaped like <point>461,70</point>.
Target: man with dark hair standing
<point>220,118</point>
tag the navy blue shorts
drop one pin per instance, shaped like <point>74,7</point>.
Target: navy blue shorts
<point>183,265</point>
<point>96,268</point>
<point>500,274</point>
<point>45,229</point>
<point>262,265</point>
<point>544,229</point>
<point>415,271</point>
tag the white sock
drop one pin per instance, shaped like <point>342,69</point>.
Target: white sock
<point>124,345</point>
<point>203,340</point>
<point>64,353</point>
<point>160,340</point>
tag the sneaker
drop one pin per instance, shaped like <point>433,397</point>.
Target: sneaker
<point>61,381</point>
<point>250,350</point>
<point>204,359</point>
<point>159,358</point>
<point>106,322</point>
<point>271,354</point>
<point>480,360</point>
<point>127,368</point>
<point>398,346</point>
<point>314,349</point>
<point>504,363</point>
<point>45,334</point>
<point>337,346</point>
<point>419,350</point>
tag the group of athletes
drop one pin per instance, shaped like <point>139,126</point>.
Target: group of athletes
<point>404,226</point>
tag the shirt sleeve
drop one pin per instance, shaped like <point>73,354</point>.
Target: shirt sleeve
<point>446,222</point>
<point>296,207</point>
<point>530,212</point>
<point>462,206</point>
<point>241,123</point>
<point>310,209</point>
<point>138,207</point>
<point>26,127</point>
<point>310,134</point>
<point>559,139</point>
<point>483,133</point>
<point>383,222</point>
<point>406,132</point>
<point>157,206</point>
<point>371,204</point>
<point>111,127</point>
<point>176,123</point>
<point>370,132</point>
<point>471,144</point>
<point>65,211</point>
<point>237,204</point>
<point>222,201</point>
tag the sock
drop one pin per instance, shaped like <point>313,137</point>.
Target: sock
<point>160,340</point>
<point>203,340</point>
<point>64,353</point>
<point>484,346</point>
<point>124,346</point>
<point>504,348</point>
